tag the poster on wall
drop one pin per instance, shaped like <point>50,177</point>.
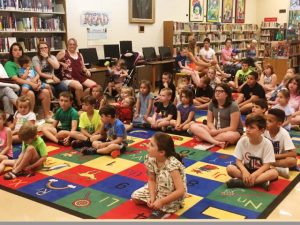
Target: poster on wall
<point>196,10</point>
<point>227,8</point>
<point>213,10</point>
<point>295,5</point>
<point>96,24</point>
<point>240,7</point>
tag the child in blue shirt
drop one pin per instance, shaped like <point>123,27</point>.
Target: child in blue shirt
<point>113,133</point>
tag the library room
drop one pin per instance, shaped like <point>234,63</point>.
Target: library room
<point>133,110</point>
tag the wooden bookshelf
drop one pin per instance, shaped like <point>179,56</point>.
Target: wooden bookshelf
<point>30,21</point>
<point>176,35</point>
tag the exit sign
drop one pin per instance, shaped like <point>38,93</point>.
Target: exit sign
<point>270,19</point>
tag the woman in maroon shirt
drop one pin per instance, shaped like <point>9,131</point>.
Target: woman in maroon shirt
<point>74,73</point>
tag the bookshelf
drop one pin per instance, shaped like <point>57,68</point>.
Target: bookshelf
<point>278,51</point>
<point>30,21</point>
<point>176,35</point>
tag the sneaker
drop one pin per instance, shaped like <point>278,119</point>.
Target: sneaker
<point>88,151</point>
<point>235,183</point>
<point>189,132</point>
<point>60,142</point>
<point>115,153</point>
<point>147,125</point>
<point>283,172</point>
<point>204,122</point>
<point>80,144</point>
<point>266,185</point>
<point>158,214</point>
<point>170,128</point>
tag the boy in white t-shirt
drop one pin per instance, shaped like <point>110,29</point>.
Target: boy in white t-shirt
<point>254,155</point>
<point>284,148</point>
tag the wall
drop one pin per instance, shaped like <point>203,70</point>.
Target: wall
<point>121,29</point>
<point>270,8</point>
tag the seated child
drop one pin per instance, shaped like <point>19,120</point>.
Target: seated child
<point>22,115</point>
<point>125,112</point>
<point>113,132</point>
<point>167,82</point>
<point>34,153</point>
<point>166,188</point>
<point>89,124</point>
<point>27,72</point>
<point>204,93</point>
<point>118,74</point>
<point>181,63</point>
<point>259,107</point>
<point>250,91</point>
<point>67,116</point>
<point>180,87</point>
<point>241,76</point>
<point>268,79</point>
<point>6,151</point>
<point>97,92</point>
<point>165,110</point>
<point>271,96</point>
<point>284,149</point>
<point>283,98</point>
<point>144,104</point>
<point>185,111</point>
<point>254,155</point>
<point>212,75</point>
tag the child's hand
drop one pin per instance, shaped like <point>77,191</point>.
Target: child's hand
<point>146,117</point>
<point>245,177</point>
<point>136,115</point>
<point>251,180</point>
<point>178,127</point>
<point>166,85</point>
<point>213,132</point>
<point>157,204</point>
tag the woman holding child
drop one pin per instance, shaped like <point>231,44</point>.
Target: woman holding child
<point>44,64</point>
<point>12,69</point>
<point>224,125</point>
<point>74,72</point>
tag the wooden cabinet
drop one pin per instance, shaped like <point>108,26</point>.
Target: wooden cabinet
<point>280,67</point>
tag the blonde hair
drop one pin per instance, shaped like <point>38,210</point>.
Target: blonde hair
<point>24,99</point>
<point>168,91</point>
<point>131,100</point>
<point>27,131</point>
<point>128,90</point>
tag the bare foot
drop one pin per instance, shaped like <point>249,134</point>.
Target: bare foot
<point>222,144</point>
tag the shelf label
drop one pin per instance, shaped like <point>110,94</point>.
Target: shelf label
<point>270,19</point>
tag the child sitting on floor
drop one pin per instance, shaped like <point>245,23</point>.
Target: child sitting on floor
<point>204,93</point>
<point>284,148</point>
<point>125,112</point>
<point>259,107</point>
<point>114,132</point>
<point>97,92</point>
<point>6,151</point>
<point>67,116</point>
<point>166,188</point>
<point>165,111</point>
<point>254,155</point>
<point>34,153</point>
<point>22,115</point>
<point>89,124</point>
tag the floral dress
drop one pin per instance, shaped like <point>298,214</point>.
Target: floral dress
<point>164,183</point>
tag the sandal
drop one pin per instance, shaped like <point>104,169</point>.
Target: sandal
<point>9,176</point>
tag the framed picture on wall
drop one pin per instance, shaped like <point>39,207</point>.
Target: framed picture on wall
<point>213,10</point>
<point>141,11</point>
<point>227,11</point>
<point>240,7</point>
<point>196,10</point>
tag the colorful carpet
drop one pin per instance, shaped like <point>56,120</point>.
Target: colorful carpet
<point>100,186</point>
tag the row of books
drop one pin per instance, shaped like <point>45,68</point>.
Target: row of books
<point>294,61</point>
<point>210,27</point>
<point>270,25</point>
<point>30,43</point>
<point>34,23</point>
<point>27,5</point>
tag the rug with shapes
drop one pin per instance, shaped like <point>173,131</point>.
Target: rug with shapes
<point>100,186</point>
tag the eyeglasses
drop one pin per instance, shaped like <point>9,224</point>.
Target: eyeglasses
<point>43,47</point>
<point>219,91</point>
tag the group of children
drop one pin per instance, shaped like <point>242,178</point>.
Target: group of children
<point>265,150</point>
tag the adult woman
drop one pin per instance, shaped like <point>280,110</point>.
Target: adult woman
<point>194,62</point>
<point>224,125</point>
<point>44,64</point>
<point>74,72</point>
<point>12,68</point>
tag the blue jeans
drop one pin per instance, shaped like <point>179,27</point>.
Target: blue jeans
<point>58,88</point>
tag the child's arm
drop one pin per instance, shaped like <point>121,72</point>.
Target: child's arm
<point>210,120</point>
<point>38,163</point>
<point>152,188</point>
<point>240,99</point>
<point>178,193</point>
<point>290,153</point>
<point>149,109</point>
<point>178,120</point>
<point>8,142</point>
<point>137,107</point>
<point>244,171</point>
<point>85,133</point>
<point>252,99</point>
<point>202,99</point>
<point>254,175</point>
<point>154,118</point>
<point>287,121</point>
<point>189,119</point>
<point>25,74</point>
<point>102,103</point>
